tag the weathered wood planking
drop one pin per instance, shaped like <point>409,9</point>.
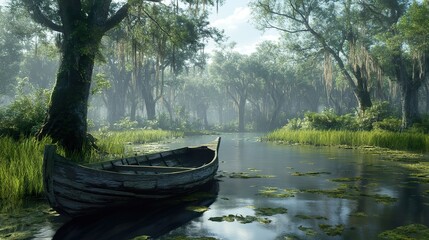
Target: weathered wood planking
<point>74,189</point>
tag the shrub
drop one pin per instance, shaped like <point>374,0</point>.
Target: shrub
<point>388,124</point>
<point>376,113</point>
<point>25,115</point>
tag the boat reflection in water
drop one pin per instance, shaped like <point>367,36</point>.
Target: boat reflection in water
<point>149,218</point>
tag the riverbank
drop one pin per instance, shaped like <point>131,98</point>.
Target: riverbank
<point>404,141</point>
<point>21,160</point>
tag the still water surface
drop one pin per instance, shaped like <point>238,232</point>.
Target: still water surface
<point>363,216</point>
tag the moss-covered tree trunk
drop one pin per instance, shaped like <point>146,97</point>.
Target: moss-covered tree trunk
<point>82,25</point>
<point>66,119</point>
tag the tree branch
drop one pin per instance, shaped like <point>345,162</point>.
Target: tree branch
<point>119,16</point>
<point>116,18</point>
<point>41,18</point>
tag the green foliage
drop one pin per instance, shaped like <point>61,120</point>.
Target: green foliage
<point>388,124</point>
<point>329,120</point>
<point>412,231</point>
<point>25,115</point>
<point>378,116</point>
<point>421,126</point>
<point>378,112</point>
<point>21,167</point>
<point>113,142</point>
<point>125,124</point>
<point>384,139</point>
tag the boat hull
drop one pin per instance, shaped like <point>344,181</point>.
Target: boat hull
<point>75,190</point>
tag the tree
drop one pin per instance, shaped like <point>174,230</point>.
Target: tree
<point>327,27</point>
<point>10,54</point>
<point>235,73</point>
<point>82,24</point>
<point>402,48</point>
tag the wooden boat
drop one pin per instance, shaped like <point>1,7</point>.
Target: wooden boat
<point>74,189</point>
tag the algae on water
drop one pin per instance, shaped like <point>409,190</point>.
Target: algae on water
<point>331,230</point>
<point>412,231</point>
<point>270,211</point>
<point>275,192</point>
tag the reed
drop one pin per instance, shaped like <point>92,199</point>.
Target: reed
<point>113,142</point>
<point>21,161</point>
<point>21,167</point>
<point>393,140</point>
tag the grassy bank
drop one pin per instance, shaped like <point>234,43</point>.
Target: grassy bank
<point>392,140</point>
<point>21,161</point>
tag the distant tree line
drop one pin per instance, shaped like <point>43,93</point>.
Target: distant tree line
<point>151,69</point>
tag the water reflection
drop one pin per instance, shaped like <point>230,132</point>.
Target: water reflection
<point>362,215</point>
<point>371,209</point>
<point>153,219</point>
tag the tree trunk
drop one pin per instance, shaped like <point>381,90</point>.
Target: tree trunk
<point>409,104</point>
<point>241,111</point>
<point>66,119</point>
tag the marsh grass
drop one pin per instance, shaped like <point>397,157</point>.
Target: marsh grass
<point>114,142</point>
<point>392,140</point>
<point>21,167</point>
<point>21,161</point>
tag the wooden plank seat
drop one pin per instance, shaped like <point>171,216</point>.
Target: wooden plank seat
<point>159,169</point>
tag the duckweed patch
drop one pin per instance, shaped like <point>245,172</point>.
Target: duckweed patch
<point>274,192</point>
<point>307,217</point>
<point>241,219</point>
<point>412,231</point>
<point>300,174</point>
<point>270,211</point>
<point>347,179</point>
<point>347,191</point>
<point>308,231</point>
<point>331,230</point>
<point>247,175</point>
<point>358,214</point>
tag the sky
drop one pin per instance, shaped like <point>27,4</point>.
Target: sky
<point>234,17</point>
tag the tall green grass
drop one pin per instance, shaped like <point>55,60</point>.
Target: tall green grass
<point>113,142</point>
<point>21,161</point>
<point>21,167</point>
<point>392,140</point>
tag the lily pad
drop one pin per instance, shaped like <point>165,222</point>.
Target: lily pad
<point>302,216</point>
<point>246,175</point>
<point>309,173</point>
<point>241,219</point>
<point>308,231</point>
<point>331,230</point>
<point>358,214</point>
<point>270,211</point>
<point>274,192</point>
<point>412,231</point>
<point>350,179</point>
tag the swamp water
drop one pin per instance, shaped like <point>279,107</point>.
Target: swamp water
<point>264,191</point>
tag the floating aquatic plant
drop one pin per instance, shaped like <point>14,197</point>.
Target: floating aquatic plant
<point>241,219</point>
<point>347,179</point>
<point>331,230</point>
<point>247,175</point>
<point>308,231</point>
<point>270,211</point>
<point>309,173</point>
<point>412,231</point>
<point>275,192</point>
<point>302,216</point>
